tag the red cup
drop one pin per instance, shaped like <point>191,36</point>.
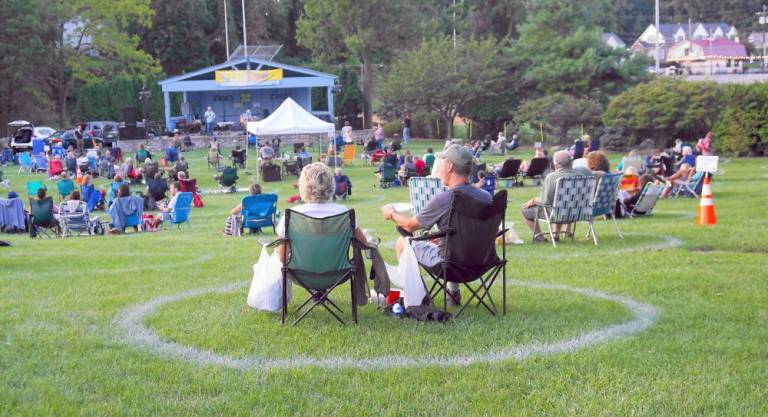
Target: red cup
<point>392,297</point>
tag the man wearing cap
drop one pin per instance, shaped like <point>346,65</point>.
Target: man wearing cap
<point>453,168</point>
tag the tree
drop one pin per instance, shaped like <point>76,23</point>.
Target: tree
<point>666,109</point>
<point>89,41</point>
<point>559,113</point>
<point>436,77</point>
<point>22,51</point>
<point>560,51</point>
<point>742,126</point>
<point>364,30</point>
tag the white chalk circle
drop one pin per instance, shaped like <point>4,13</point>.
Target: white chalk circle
<point>132,331</point>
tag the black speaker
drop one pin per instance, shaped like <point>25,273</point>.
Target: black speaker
<point>130,115</point>
<point>131,133</point>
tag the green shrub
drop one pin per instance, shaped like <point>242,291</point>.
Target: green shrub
<point>390,128</point>
<point>742,127</point>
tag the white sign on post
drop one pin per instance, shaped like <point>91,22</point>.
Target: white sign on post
<point>537,145</point>
<point>707,164</point>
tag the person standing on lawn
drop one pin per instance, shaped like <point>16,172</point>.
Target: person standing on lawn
<point>407,127</point>
<point>210,117</point>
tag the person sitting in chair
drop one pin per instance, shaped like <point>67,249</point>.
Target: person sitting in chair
<point>343,185</point>
<point>235,220</point>
<point>180,166</point>
<point>563,168</point>
<point>143,154</point>
<point>54,223</point>
<point>453,167</point>
<point>316,187</point>
<point>238,157</point>
<point>267,153</point>
<point>166,210</point>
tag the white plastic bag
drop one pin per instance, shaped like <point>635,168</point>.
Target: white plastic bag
<point>266,292</point>
<point>409,276</point>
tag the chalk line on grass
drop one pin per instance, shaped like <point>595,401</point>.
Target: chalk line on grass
<point>132,331</point>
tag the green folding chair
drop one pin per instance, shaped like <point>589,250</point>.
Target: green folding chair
<point>33,186</point>
<point>65,187</point>
<point>41,219</point>
<point>318,260</point>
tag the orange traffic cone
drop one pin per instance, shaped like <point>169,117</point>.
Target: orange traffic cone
<point>79,177</point>
<point>706,213</point>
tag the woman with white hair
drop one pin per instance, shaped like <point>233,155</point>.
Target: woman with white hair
<point>316,188</point>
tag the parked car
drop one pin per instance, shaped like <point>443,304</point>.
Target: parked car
<point>67,139</point>
<point>95,128</point>
<point>43,132</point>
<point>109,134</point>
<point>21,133</point>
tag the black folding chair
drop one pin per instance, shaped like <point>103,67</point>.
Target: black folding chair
<point>469,251</point>
<point>536,169</point>
<point>510,170</point>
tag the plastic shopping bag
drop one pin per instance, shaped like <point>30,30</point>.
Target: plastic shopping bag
<point>266,292</point>
<point>407,277</point>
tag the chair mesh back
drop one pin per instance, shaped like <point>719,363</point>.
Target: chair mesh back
<point>470,247</point>
<point>573,199</point>
<point>258,210</point>
<point>33,186</point>
<point>65,186</point>
<point>510,168</point>
<point>76,220</point>
<point>422,189</point>
<point>183,207</point>
<point>648,198</point>
<point>605,197</point>
<point>229,176</point>
<point>42,210</point>
<point>319,245</point>
<point>537,167</point>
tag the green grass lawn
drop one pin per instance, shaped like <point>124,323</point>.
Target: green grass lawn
<point>62,353</point>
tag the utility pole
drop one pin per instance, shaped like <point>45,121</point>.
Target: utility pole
<point>454,24</point>
<point>763,19</point>
<point>226,27</point>
<point>658,41</point>
<point>245,41</point>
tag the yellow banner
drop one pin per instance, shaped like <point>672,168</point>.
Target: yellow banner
<point>246,77</point>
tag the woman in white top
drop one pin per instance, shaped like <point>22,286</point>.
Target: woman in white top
<point>316,188</point>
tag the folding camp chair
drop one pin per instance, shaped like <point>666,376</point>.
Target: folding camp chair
<point>213,158</point>
<point>647,201</point>
<point>41,219</point>
<point>190,186</point>
<point>388,176</point>
<point>689,188</point>
<point>422,189</point>
<point>229,178</point>
<point>342,187</point>
<point>25,163</point>
<point>605,201</point>
<point>510,171</point>
<point>350,151</point>
<point>469,248</point>
<point>318,260</point>
<point>489,184</point>
<point>74,222</point>
<point>182,208</point>
<point>572,203</point>
<point>259,211</point>
<point>55,167</point>
<point>33,186</point>
<point>65,187</point>
<point>536,169</point>
<point>40,163</point>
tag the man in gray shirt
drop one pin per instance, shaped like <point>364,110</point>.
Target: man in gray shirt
<point>453,169</point>
<point>563,168</point>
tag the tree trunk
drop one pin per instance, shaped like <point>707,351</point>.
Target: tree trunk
<point>448,122</point>
<point>62,103</point>
<point>367,93</point>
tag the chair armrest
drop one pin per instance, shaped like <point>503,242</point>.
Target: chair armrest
<point>403,232</point>
<point>277,242</point>
<point>502,232</point>
<point>430,236</point>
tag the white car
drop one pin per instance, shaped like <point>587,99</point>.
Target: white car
<point>43,132</point>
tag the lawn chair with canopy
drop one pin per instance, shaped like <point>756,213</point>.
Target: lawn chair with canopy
<point>422,189</point>
<point>572,203</point>
<point>65,187</point>
<point>605,201</point>
<point>510,171</point>
<point>182,209</point>
<point>469,251</point>
<point>318,260</point>
<point>536,169</point>
<point>259,211</point>
<point>41,219</point>
<point>647,201</point>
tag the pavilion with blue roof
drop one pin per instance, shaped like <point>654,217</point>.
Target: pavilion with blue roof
<point>246,81</point>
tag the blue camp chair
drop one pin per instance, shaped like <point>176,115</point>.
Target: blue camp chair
<point>181,209</point>
<point>33,186</point>
<point>259,211</point>
<point>25,162</point>
<point>40,163</point>
<point>171,154</point>
<point>58,151</point>
<point>489,184</point>
<point>38,147</point>
<point>65,187</point>
<point>93,164</point>
<point>93,197</point>
<point>605,201</point>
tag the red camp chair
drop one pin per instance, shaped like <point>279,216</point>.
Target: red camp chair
<point>55,167</point>
<point>190,186</point>
<point>377,156</point>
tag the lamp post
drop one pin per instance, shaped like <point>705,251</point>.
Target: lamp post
<point>144,96</point>
<point>763,19</point>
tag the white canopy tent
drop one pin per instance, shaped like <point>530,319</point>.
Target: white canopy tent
<point>291,119</point>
